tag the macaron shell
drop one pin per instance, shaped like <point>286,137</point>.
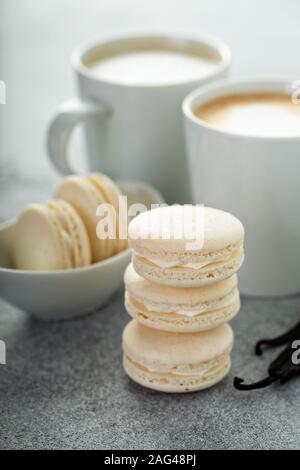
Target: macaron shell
<point>111,193</point>
<point>177,323</point>
<point>105,185</point>
<point>92,184</point>
<point>218,230</point>
<point>160,349</point>
<point>39,253</point>
<point>187,277</point>
<point>85,199</point>
<point>72,229</point>
<point>171,384</point>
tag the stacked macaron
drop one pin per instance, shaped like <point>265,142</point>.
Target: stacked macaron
<point>181,290</point>
<point>62,233</point>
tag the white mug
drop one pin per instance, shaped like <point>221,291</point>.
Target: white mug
<point>132,131</point>
<point>256,178</point>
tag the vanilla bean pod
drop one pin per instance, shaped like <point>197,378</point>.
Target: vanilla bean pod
<point>290,335</point>
<point>282,367</point>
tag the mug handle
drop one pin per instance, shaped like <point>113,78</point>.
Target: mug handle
<point>69,114</point>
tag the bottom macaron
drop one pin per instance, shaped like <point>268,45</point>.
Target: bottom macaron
<point>176,362</point>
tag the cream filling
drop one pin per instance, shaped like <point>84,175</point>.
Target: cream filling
<point>219,257</point>
<point>173,264</point>
<point>189,311</point>
<point>182,370</point>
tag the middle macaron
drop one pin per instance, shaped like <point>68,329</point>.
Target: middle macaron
<point>186,310</point>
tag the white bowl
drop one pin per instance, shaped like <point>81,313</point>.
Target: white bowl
<point>65,294</point>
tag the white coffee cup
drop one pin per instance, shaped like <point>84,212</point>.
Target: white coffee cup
<point>132,131</point>
<point>257,179</point>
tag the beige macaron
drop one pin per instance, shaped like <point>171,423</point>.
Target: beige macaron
<point>186,309</point>
<point>50,236</point>
<point>186,246</point>
<point>176,362</point>
<point>86,194</point>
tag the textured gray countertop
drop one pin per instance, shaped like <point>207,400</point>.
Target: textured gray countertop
<point>63,385</point>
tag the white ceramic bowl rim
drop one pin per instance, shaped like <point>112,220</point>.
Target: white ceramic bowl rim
<point>224,87</point>
<point>186,39</point>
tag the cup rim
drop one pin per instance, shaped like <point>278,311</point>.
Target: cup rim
<point>207,41</point>
<point>226,86</point>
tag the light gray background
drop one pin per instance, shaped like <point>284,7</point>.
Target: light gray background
<point>63,384</point>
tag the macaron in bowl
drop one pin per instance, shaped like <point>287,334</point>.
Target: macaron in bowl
<point>86,193</point>
<point>50,237</point>
<point>57,283</point>
<point>45,264</point>
<point>176,362</point>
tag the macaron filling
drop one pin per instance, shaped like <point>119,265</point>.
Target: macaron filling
<point>186,276</point>
<point>200,257</point>
<point>190,311</point>
<point>179,369</point>
<point>173,384</point>
<point>192,261</point>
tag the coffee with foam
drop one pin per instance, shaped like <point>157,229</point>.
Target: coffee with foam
<point>261,114</point>
<point>152,67</point>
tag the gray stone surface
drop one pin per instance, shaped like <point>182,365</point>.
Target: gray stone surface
<point>63,385</point>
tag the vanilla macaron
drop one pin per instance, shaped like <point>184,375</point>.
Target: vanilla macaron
<point>50,236</point>
<point>86,194</point>
<point>186,309</point>
<point>176,362</point>
<point>186,246</point>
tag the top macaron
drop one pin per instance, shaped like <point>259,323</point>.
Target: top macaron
<point>186,246</point>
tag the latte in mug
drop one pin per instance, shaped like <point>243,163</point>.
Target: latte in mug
<point>150,67</point>
<point>260,114</point>
<point>131,89</point>
<point>243,143</point>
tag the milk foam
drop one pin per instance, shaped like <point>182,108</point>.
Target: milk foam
<point>152,67</point>
<point>262,114</point>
